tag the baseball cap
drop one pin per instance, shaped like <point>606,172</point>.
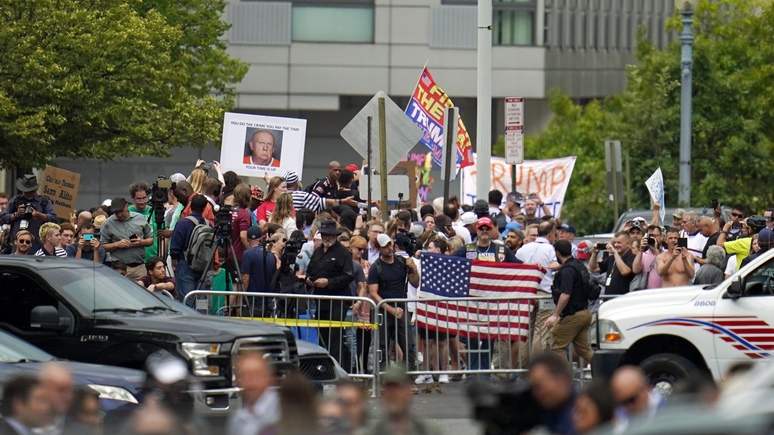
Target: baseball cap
<point>514,196</point>
<point>383,240</point>
<point>766,236</point>
<point>567,227</point>
<point>484,222</point>
<point>290,177</point>
<point>107,202</point>
<point>254,233</point>
<point>417,229</point>
<point>468,218</point>
<point>679,213</point>
<point>117,204</point>
<point>352,167</point>
<point>584,250</point>
<point>177,177</point>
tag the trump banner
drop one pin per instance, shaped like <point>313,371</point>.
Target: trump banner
<point>547,178</point>
<point>426,109</point>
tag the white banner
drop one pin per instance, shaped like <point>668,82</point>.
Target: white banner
<point>655,186</point>
<point>254,145</point>
<point>548,178</point>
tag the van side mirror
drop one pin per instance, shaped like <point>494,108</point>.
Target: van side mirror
<point>47,317</point>
<point>735,289</point>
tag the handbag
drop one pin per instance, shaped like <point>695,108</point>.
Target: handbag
<point>640,281</point>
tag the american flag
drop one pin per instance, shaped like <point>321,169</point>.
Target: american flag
<point>445,276</point>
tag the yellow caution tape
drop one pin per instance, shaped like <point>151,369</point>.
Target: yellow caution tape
<point>311,323</point>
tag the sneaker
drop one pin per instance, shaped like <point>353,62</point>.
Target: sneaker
<point>443,379</point>
<point>420,358</point>
<point>424,379</point>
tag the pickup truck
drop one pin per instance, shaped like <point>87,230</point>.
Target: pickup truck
<point>82,311</point>
<point>672,333</point>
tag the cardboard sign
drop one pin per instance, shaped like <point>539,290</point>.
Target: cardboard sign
<point>61,186</point>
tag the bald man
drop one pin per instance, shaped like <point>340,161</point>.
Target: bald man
<point>260,402</point>
<point>58,383</point>
<point>633,395</point>
<point>328,186</point>
<point>83,217</point>
<point>262,147</point>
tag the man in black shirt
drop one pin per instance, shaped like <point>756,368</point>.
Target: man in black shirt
<point>571,318</point>
<point>327,187</point>
<point>329,272</point>
<point>387,279</point>
<point>617,266</point>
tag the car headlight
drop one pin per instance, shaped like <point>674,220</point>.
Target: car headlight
<point>114,393</point>
<point>609,332</point>
<point>198,353</point>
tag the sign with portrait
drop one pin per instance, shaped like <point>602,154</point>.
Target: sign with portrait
<point>254,145</point>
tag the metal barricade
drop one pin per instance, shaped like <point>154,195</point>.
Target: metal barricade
<point>342,324</point>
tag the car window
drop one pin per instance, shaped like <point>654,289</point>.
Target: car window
<point>14,350</point>
<point>99,289</point>
<point>19,295</point>
<point>760,281</point>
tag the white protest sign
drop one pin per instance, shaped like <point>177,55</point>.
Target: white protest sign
<point>655,186</point>
<point>548,178</point>
<point>254,145</point>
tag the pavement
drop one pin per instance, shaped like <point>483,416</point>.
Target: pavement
<point>446,405</point>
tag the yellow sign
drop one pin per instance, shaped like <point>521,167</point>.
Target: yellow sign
<point>61,186</point>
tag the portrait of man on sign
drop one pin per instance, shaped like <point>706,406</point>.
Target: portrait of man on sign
<point>263,147</point>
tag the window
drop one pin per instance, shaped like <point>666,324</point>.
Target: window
<point>19,296</point>
<point>333,21</point>
<point>513,21</point>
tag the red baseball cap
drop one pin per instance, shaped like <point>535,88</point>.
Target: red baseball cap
<point>352,167</point>
<point>484,222</point>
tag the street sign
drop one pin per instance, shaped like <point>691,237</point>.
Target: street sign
<point>400,131</point>
<point>514,131</point>
<point>450,120</point>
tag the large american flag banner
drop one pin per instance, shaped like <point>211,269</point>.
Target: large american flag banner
<point>445,276</point>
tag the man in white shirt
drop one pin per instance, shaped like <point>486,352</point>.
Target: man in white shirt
<point>260,401</point>
<point>696,240</point>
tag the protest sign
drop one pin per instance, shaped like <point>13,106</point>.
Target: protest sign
<point>254,145</point>
<point>655,186</point>
<point>548,178</point>
<point>61,186</point>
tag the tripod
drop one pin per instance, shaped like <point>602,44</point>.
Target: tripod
<point>222,236</point>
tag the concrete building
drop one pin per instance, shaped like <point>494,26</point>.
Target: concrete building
<point>324,59</point>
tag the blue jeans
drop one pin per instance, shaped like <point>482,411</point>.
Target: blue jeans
<point>478,355</point>
<point>186,280</point>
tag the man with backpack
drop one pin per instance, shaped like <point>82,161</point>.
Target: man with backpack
<point>192,246</point>
<point>570,320</point>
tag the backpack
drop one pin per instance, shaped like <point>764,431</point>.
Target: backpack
<point>591,288</point>
<point>500,220</point>
<point>401,262</point>
<point>201,246</point>
<point>640,280</point>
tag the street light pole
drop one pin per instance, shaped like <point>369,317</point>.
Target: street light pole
<point>686,9</point>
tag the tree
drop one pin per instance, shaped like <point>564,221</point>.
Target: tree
<point>102,79</point>
<point>733,129</point>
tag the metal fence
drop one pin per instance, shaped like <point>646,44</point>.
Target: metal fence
<point>437,340</point>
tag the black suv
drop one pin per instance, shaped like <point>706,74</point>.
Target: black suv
<point>84,311</point>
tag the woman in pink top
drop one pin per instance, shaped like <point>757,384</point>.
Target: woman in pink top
<point>277,186</point>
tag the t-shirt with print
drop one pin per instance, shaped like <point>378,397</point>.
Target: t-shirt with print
<point>490,253</point>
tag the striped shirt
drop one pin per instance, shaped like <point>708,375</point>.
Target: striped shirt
<point>59,252</point>
<point>312,201</point>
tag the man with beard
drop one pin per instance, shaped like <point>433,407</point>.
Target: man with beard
<point>514,239</point>
<point>41,207</point>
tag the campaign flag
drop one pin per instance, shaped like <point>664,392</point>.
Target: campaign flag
<point>426,109</point>
<point>445,276</point>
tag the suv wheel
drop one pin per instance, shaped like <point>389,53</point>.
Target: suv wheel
<point>665,370</point>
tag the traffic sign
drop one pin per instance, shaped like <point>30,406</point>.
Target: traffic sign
<point>514,112</point>
<point>514,145</point>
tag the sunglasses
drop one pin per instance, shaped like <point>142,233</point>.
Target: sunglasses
<point>24,242</point>
<point>739,215</point>
<point>484,228</point>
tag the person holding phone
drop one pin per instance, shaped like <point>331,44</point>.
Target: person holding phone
<point>617,264</point>
<point>675,266</point>
<point>86,246</point>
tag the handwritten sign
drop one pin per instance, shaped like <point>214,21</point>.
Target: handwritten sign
<point>61,186</point>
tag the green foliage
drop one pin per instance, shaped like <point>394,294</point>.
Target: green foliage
<point>733,125</point>
<point>103,79</point>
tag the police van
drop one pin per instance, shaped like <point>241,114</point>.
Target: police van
<point>672,333</point>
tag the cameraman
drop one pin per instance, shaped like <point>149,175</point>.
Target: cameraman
<point>28,209</point>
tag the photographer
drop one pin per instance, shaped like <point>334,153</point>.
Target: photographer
<point>86,245</point>
<point>675,266</point>
<point>645,260</point>
<point>733,244</point>
<point>29,210</point>
<point>765,239</point>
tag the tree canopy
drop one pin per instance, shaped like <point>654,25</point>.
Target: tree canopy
<point>102,79</point>
<point>733,129</point>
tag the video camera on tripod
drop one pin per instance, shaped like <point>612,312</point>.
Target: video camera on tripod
<point>159,196</point>
<point>223,219</point>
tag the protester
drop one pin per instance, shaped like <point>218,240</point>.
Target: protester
<point>329,273</point>
<point>277,186</point>
<point>40,207</point>
<point>86,245</point>
<point>24,241</point>
<point>283,214</point>
<point>125,236</point>
<point>327,187</point>
<point>50,238</point>
<point>676,265</point>
<point>157,279</point>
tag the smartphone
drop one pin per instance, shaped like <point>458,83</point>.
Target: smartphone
<point>88,237</point>
<point>682,242</point>
<point>134,237</point>
<point>601,246</point>
<point>714,203</point>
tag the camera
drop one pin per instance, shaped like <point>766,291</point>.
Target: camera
<point>682,242</point>
<point>407,241</point>
<point>291,251</point>
<point>509,409</point>
<point>223,219</point>
<point>26,217</point>
<point>601,246</point>
<point>651,241</point>
<point>637,224</point>
<point>159,196</point>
